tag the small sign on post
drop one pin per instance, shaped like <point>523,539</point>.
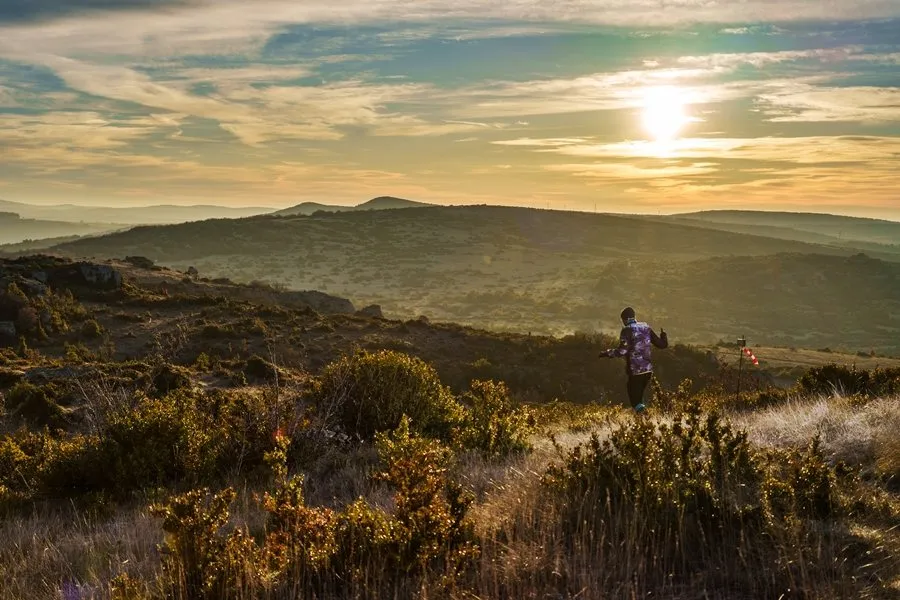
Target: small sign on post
<point>742,344</point>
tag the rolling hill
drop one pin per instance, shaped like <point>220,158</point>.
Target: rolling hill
<point>546,271</point>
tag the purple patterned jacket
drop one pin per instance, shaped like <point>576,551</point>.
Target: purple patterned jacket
<point>634,344</point>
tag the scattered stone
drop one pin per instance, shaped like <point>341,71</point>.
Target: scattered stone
<point>193,273</point>
<point>373,311</point>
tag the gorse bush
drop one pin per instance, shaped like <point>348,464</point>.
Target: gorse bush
<point>677,501</point>
<point>360,551</point>
<point>833,378</point>
<point>370,392</point>
<point>183,438</point>
<point>493,423</point>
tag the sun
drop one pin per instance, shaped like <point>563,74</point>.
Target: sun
<point>664,113</point>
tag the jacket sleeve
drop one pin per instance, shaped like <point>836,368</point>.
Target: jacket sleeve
<point>624,343</point>
<point>659,341</point>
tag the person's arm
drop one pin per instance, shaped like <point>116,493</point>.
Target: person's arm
<point>622,349</point>
<point>661,340</point>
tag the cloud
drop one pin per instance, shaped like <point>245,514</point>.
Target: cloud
<point>628,171</point>
<point>806,103</point>
<point>729,61</point>
<point>800,150</point>
<point>26,10</point>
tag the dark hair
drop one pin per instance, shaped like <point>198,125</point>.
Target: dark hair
<point>628,313</point>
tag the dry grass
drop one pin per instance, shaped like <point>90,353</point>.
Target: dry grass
<point>864,436</point>
<point>44,552</point>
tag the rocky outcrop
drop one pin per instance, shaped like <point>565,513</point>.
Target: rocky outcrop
<point>33,274</point>
<point>318,301</point>
<point>373,311</point>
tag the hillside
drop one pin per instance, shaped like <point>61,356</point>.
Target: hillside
<point>164,435</point>
<point>544,271</point>
<point>132,215</point>
<point>380,203</point>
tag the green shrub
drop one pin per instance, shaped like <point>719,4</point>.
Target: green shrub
<point>35,404</point>
<point>832,378</point>
<point>360,551</point>
<point>370,392</point>
<point>494,424</point>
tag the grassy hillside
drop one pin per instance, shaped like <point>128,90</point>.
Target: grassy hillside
<point>164,437</point>
<point>546,272</point>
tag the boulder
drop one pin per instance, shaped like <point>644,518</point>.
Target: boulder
<point>141,262</point>
<point>318,301</point>
<point>102,276</point>
<point>373,311</point>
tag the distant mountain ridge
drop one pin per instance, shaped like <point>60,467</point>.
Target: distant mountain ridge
<point>379,203</point>
<point>160,214</point>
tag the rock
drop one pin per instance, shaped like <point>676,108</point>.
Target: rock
<point>32,287</point>
<point>7,330</point>
<point>141,262</point>
<point>101,275</point>
<point>40,276</point>
<point>193,273</point>
<point>373,311</point>
<point>318,301</point>
<point>48,374</point>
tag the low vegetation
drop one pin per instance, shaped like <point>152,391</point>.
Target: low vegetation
<point>226,467</point>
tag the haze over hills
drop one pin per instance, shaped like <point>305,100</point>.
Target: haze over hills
<point>547,271</point>
<point>136,215</point>
<point>824,226</point>
<point>15,229</point>
<point>380,203</point>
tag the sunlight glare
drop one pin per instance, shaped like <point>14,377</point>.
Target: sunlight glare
<point>664,112</point>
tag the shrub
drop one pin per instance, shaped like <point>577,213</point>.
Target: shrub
<point>35,404</point>
<point>494,424</point>
<point>259,368</point>
<point>169,378</point>
<point>91,329</point>
<point>832,378</point>
<point>360,551</point>
<point>370,392</point>
<point>693,497</point>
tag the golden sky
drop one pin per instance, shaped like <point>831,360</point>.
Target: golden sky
<point>589,105</point>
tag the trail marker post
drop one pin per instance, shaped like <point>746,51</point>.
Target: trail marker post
<point>742,343</point>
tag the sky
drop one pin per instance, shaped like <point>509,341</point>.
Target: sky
<point>647,106</point>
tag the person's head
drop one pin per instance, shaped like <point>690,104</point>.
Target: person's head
<point>627,314</point>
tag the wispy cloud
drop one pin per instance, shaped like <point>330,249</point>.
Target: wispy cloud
<point>219,97</point>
